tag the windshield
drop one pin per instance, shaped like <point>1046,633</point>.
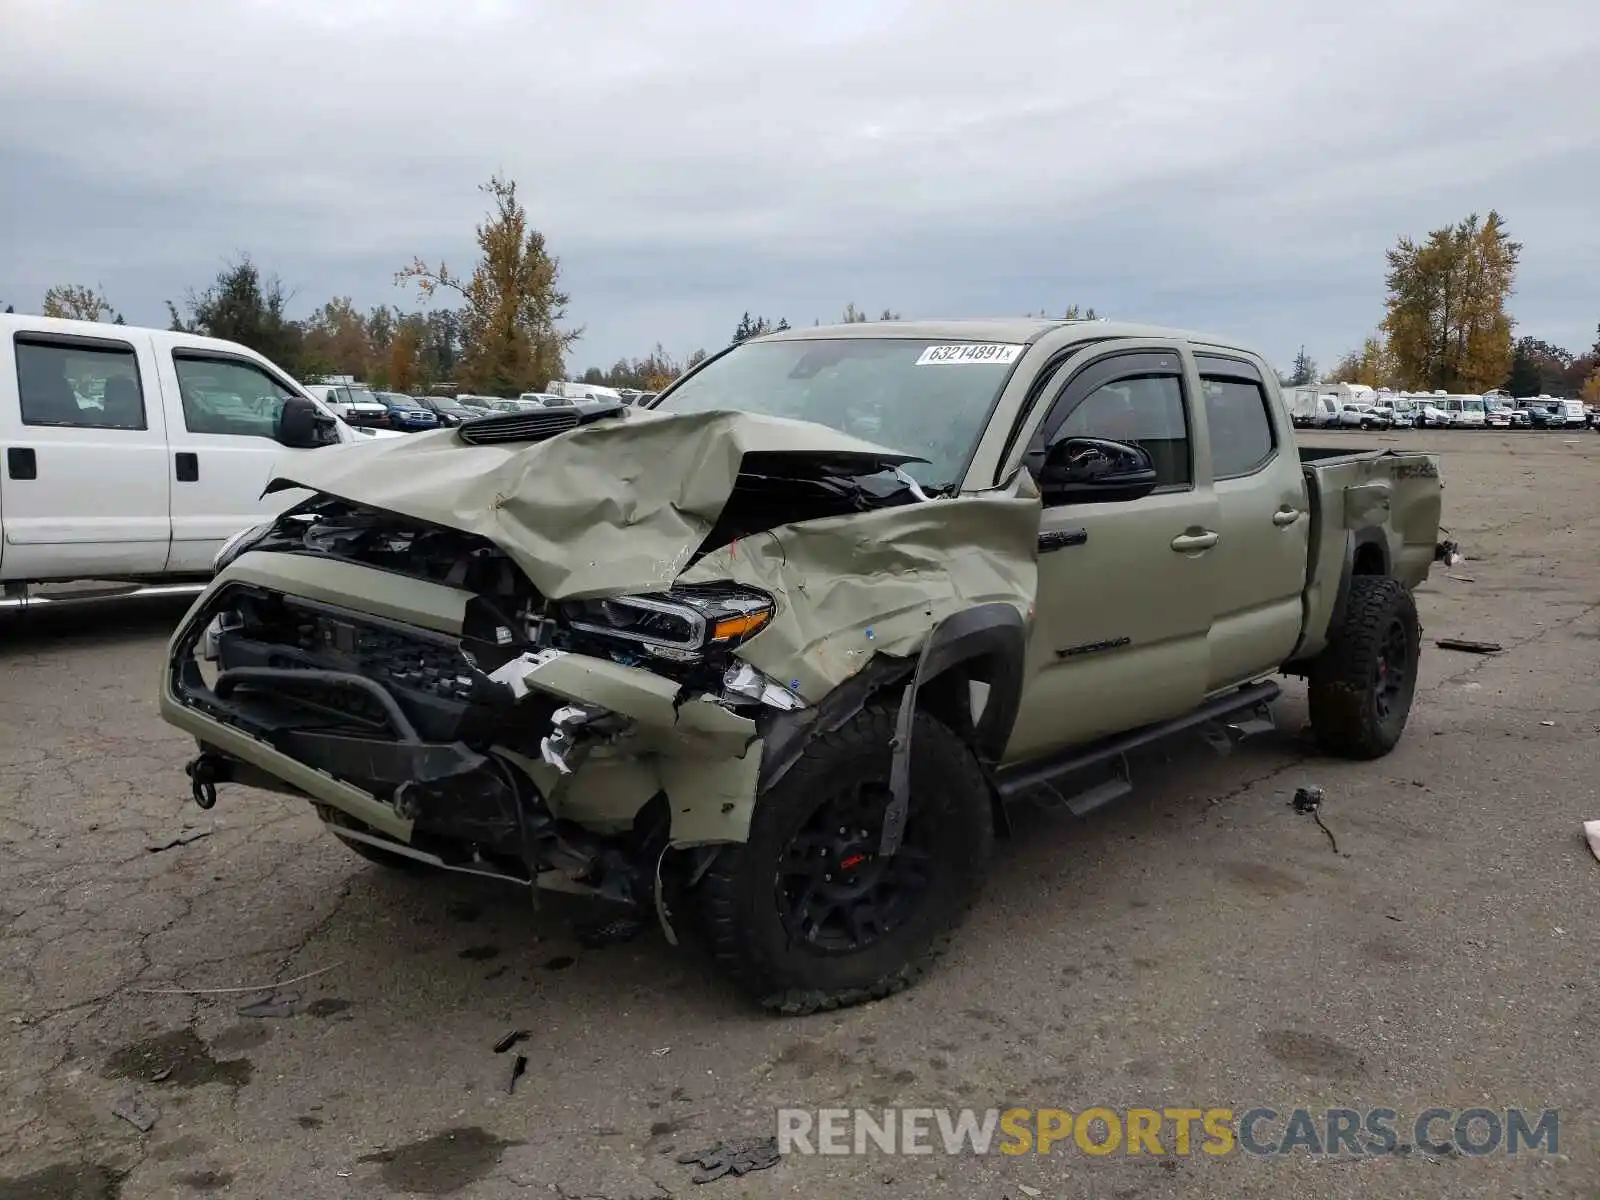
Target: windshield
<point>1473,405</point>
<point>917,396</point>
<point>363,396</point>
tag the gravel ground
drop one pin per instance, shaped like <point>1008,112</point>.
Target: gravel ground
<point>1198,945</point>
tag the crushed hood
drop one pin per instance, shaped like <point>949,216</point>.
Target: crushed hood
<point>624,506</point>
<point>612,507</point>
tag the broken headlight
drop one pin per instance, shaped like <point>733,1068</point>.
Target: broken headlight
<point>239,543</point>
<point>683,624</point>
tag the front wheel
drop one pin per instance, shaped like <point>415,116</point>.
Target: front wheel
<point>805,914</point>
<point>1363,682</point>
<point>336,820</point>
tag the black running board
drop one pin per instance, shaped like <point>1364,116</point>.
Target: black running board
<point>1110,754</point>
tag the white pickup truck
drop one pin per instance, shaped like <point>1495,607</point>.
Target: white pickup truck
<point>132,455</point>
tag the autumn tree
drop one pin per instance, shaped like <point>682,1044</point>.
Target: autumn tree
<point>512,306</point>
<point>1447,326</point>
<point>405,369</point>
<point>76,302</point>
<point>244,307</point>
<point>1371,365</point>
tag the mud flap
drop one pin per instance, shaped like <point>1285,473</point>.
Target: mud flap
<point>994,633</point>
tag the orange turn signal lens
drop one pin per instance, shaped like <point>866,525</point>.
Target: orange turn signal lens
<point>741,626</point>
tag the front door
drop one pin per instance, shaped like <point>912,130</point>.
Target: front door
<point>1125,587</point>
<point>224,417</point>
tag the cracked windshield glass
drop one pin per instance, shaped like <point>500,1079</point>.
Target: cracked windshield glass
<point>911,395</point>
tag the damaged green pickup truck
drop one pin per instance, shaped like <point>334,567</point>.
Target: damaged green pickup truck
<point>766,660</point>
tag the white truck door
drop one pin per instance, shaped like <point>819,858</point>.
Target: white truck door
<point>84,486</point>
<point>222,410</point>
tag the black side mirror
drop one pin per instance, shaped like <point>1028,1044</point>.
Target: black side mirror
<point>1084,470</point>
<point>302,425</point>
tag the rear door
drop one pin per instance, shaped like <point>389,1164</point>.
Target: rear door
<point>1125,588</point>
<point>1264,520</point>
<point>84,485</point>
<point>223,413</point>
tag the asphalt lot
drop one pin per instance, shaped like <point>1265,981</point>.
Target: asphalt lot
<point>1199,945</point>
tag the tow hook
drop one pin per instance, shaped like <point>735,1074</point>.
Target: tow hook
<point>205,772</point>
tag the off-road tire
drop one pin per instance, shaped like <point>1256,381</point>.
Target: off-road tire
<point>738,907</point>
<point>335,820</point>
<point>1345,684</point>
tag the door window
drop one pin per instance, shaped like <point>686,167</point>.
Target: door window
<point>1241,429</point>
<point>78,385</point>
<point>1143,410</point>
<point>226,396</point>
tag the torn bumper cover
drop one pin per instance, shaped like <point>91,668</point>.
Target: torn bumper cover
<point>324,661</point>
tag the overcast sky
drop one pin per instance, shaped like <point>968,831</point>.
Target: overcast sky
<point>1238,166</point>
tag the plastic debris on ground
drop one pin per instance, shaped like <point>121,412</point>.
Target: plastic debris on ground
<point>1308,801</point>
<point>1591,833</point>
<point>136,1113</point>
<point>734,1157</point>
<point>276,1004</point>
<point>1468,647</point>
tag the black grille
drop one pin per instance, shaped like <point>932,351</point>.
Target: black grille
<point>532,426</point>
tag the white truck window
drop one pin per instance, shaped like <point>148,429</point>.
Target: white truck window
<point>77,385</point>
<point>226,396</point>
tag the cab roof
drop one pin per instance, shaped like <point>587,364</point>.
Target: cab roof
<point>1022,330</point>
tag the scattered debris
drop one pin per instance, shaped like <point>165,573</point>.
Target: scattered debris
<point>183,839</point>
<point>274,1004</point>
<point>1309,800</point>
<point>1468,647</point>
<point>609,933</point>
<point>1548,724</point>
<point>1448,552</point>
<point>1591,833</point>
<point>511,1039</point>
<point>136,1113</point>
<point>663,1051</point>
<point>235,991</point>
<point>1029,1191</point>
<point>1461,578</point>
<point>161,1075</point>
<point>1391,916</point>
<point>519,1067</point>
<point>738,1157</point>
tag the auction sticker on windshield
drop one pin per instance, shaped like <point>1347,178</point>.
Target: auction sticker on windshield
<point>969,352</point>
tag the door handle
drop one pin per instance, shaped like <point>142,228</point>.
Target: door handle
<point>1188,543</point>
<point>1286,516</point>
<point>21,462</point>
<point>187,463</point>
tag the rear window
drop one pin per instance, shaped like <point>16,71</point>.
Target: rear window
<point>79,385</point>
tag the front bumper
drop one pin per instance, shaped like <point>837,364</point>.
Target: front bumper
<point>639,739</point>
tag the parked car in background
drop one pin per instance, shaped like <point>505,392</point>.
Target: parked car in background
<point>1541,412</point>
<point>450,412</point>
<point>1572,413</point>
<point>1362,416</point>
<point>407,414</point>
<point>1497,410</point>
<point>133,455</point>
<point>352,403</point>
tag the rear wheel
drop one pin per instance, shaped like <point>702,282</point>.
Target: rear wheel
<point>805,914</point>
<point>1363,683</point>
